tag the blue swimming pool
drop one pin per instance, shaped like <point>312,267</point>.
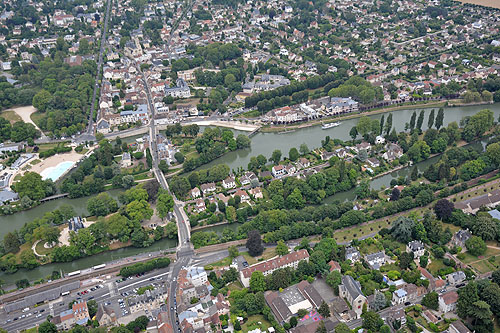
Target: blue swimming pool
<point>56,172</point>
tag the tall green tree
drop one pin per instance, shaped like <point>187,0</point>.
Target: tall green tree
<point>430,121</point>
<point>439,118</point>
<point>412,120</point>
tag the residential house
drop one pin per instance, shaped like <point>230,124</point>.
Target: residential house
<point>197,276</point>
<point>278,171</point>
<point>375,260</point>
<point>200,205</point>
<point>373,162</point>
<point>362,146</point>
<point>352,254</point>
<point>415,247</point>
<point>393,151</point>
<point>268,267</point>
<point>458,327</point>
<point>456,277</point>
<point>460,237</point>
<point>105,315</point>
<point>334,266</point>
<point>448,301</point>
<point>304,162</point>
<point>399,297</point>
<point>242,194</point>
<point>228,183</point>
<point>350,289</point>
<point>249,178</point>
<point>195,193</point>
<point>126,160</point>
<point>397,314</point>
<point>207,188</point>
<point>256,193</point>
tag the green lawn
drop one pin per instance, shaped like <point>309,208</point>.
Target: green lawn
<point>11,116</point>
<point>221,263</point>
<point>40,249</point>
<point>435,266</point>
<point>253,323</point>
<point>236,285</point>
<point>48,146</point>
<point>268,254</point>
<point>483,266</point>
<point>347,235</point>
<point>489,252</point>
<point>36,117</point>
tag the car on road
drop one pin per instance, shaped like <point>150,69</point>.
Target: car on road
<point>460,285</point>
<point>42,310</point>
<point>407,303</point>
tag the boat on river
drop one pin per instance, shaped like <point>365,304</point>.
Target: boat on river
<point>330,125</point>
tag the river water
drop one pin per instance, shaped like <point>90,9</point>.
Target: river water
<point>262,143</point>
<point>266,143</point>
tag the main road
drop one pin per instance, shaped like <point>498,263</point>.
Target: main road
<point>90,129</point>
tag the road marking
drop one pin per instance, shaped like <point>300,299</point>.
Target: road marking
<point>141,281</point>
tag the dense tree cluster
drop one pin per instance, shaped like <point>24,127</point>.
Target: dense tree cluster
<point>359,89</point>
<point>143,267</point>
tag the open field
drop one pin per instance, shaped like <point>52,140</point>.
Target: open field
<point>486,3</point>
<point>11,116</point>
<point>267,254</point>
<point>253,323</point>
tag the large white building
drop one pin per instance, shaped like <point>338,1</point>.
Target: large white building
<point>268,267</point>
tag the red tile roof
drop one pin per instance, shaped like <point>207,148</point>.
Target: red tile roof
<point>276,263</point>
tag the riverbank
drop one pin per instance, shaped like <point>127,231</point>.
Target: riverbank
<point>280,128</point>
<point>227,124</point>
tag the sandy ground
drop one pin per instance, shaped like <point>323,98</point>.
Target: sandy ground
<point>64,238</point>
<point>53,161</point>
<point>487,3</point>
<point>25,113</point>
<point>230,124</point>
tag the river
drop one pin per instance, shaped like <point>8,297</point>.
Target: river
<point>260,144</point>
<point>266,143</point>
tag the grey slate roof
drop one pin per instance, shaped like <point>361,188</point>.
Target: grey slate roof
<point>352,286</point>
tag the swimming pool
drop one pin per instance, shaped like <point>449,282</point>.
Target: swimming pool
<point>56,172</point>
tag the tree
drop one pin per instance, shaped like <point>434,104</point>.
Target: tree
<point>405,260</point>
<point>179,157</point>
<point>491,295</point>
<point>475,246</point>
<point>353,133</point>
<point>381,130</point>
<point>281,248</point>
<point>47,327</point>
<point>92,307</point>
<point>486,228</point>
<point>233,251</point>
<point>481,314</point>
<point>388,124</point>
<point>431,300</point>
<point>430,121</point>
<point>395,193</point>
<point>164,204</point>
<point>324,310</point>
<point>342,328</point>
<point>420,120</point>
<point>402,229</point>
<point>303,149</point>
<point>32,186</point>
<point>372,321</point>
<point>379,301</point>
<point>439,118</point>
<point>254,243</point>
<point>11,242</point>
<point>321,328</point>
<point>276,156</point>
<point>128,181</point>
<point>493,152</point>
<point>28,259</point>
<point>364,125</point>
<point>443,209</point>
<point>414,173</point>
<point>102,205</point>
<point>242,141</point>
<point>257,282</point>
<point>412,120</point>
<point>293,322</point>
<point>293,154</point>
<point>466,297</point>
<point>41,100</point>
<point>334,279</point>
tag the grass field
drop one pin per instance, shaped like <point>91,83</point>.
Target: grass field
<point>11,116</point>
<point>255,321</point>
<point>349,234</point>
<point>221,263</point>
<point>268,253</point>
<point>483,266</point>
<point>489,252</point>
<point>40,249</point>
<point>47,146</point>
<point>36,117</point>
<point>435,266</point>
